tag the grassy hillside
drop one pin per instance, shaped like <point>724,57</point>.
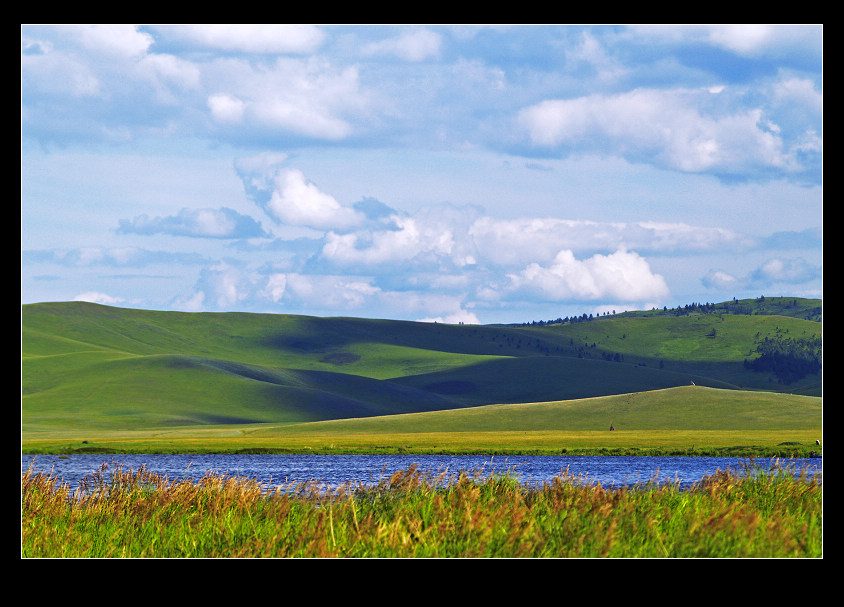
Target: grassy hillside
<point>678,409</point>
<point>100,368</point>
<point>795,307</point>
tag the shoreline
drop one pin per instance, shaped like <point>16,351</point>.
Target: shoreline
<point>781,451</point>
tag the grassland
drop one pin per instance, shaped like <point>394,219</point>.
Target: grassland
<point>764,514</point>
<point>688,420</point>
<point>112,379</point>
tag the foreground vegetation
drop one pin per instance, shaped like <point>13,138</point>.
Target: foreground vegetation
<point>763,513</point>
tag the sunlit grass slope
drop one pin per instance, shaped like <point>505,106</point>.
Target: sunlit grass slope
<point>682,420</point>
<point>680,408</point>
<point>96,367</point>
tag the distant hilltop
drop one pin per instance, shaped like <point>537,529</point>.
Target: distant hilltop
<point>794,307</point>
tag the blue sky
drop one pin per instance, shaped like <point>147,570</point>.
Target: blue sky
<point>459,173</point>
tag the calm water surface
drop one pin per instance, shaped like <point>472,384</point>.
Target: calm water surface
<point>334,470</point>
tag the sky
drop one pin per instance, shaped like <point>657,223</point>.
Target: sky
<point>450,173</point>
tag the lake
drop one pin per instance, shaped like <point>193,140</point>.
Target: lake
<point>335,470</point>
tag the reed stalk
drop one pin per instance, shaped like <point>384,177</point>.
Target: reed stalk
<point>769,513</point>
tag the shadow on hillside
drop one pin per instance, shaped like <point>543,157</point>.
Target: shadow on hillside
<point>538,379</point>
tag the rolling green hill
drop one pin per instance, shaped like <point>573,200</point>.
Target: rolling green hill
<point>693,408</point>
<point>87,366</point>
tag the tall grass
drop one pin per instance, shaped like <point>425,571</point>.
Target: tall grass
<point>760,513</point>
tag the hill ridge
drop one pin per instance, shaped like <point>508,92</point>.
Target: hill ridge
<point>122,367</point>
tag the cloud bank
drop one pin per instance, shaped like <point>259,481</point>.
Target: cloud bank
<point>462,173</point>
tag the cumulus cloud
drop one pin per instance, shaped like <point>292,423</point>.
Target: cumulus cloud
<point>737,102</point>
<point>118,39</point>
<point>198,223</point>
<point>435,235</point>
<point>337,291</point>
<point>307,97</point>
<point>255,81</point>
<point>224,286</point>
<point>673,128</point>
<point>101,82</point>
<point>622,276</point>
<point>296,201</point>
<point>287,196</point>
<point>129,82</point>
<point>228,286</point>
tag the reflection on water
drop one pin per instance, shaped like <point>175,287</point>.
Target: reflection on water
<point>335,470</point>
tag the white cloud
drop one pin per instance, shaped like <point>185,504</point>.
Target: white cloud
<point>113,39</point>
<point>309,97</point>
<point>198,223</point>
<point>123,59</point>
<point>257,172</point>
<point>193,303</point>
<point>799,92</point>
<point>290,198</point>
<point>744,39</point>
<point>718,279</point>
<point>169,76</point>
<point>633,111</point>
<point>319,291</point>
<point>383,246</point>
<point>456,318</point>
<point>414,44</point>
<point>668,127</point>
<point>225,286</point>
<point>517,242</point>
<point>228,287</point>
<point>275,287</point>
<point>429,306</point>
<point>96,297</point>
<point>623,276</point>
<point>296,201</point>
<point>591,52</point>
<point>252,38</point>
<point>773,272</point>
<point>435,235</point>
<point>48,72</point>
<point>226,108</point>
